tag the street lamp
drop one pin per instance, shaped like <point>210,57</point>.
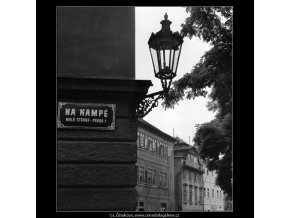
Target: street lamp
<point>165,49</point>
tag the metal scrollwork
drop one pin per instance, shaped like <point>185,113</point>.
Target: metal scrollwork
<point>149,103</point>
<point>151,100</point>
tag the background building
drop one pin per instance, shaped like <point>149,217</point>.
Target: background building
<point>188,170</point>
<point>228,203</point>
<point>155,164</point>
<point>213,195</point>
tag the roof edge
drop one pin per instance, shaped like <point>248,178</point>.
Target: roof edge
<point>155,129</point>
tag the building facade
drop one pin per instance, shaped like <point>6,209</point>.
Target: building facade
<point>95,65</point>
<point>188,176</point>
<point>155,165</point>
<point>213,195</point>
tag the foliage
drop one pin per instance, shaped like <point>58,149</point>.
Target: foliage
<point>215,67</point>
<point>214,26</point>
<point>215,142</point>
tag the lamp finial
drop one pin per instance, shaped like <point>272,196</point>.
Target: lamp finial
<point>165,16</point>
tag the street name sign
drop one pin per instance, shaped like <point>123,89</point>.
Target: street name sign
<point>86,115</point>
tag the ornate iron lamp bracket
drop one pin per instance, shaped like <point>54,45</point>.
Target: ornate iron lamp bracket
<point>149,103</point>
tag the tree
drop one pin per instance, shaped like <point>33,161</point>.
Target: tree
<point>215,142</point>
<point>214,139</point>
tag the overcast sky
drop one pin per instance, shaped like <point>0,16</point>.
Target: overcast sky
<point>187,113</point>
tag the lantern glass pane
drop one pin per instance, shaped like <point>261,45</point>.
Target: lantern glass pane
<point>172,59</point>
<point>162,59</point>
<point>159,60</point>
<point>176,57</point>
<point>167,55</point>
<point>154,59</point>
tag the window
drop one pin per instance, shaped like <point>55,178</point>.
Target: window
<point>200,196</point>
<point>138,169</point>
<point>158,148</point>
<point>165,180</point>
<point>217,194</point>
<point>184,174</point>
<point>150,144</point>
<point>190,194</point>
<point>194,175</point>
<point>154,177</point>
<point>154,145</point>
<point>212,193</point>
<point>149,176</point>
<point>195,195</point>
<point>163,206</point>
<point>141,174</point>
<point>146,143</point>
<point>190,176</point>
<point>204,194</point>
<point>161,149</point>
<point>208,192</point>
<point>142,140</point>
<point>146,177</point>
<point>138,139</point>
<point>141,206</point>
<point>165,150</point>
<point>184,194</point>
